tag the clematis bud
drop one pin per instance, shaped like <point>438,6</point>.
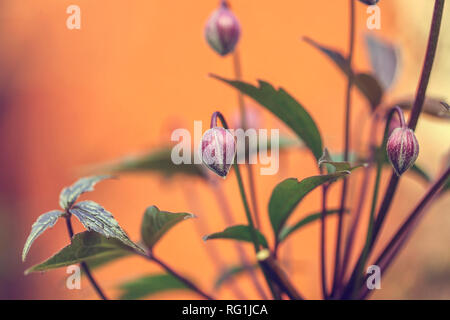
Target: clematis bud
<point>369,2</point>
<point>218,149</point>
<point>222,30</point>
<point>402,149</point>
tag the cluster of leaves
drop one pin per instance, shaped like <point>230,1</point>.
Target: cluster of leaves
<point>106,241</point>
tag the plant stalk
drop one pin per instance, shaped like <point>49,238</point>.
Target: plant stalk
<point>84,265</point>
<point>337,265</point>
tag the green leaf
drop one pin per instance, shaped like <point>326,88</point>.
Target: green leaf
<point>43,222</point>
<point>156,223</point>
<point>288,230</point>
<point>99,262</point>
<point>70,194</point>
<point>158,161</point>
<point>288,194</point>
<point>232,272</point>
<point>384,59</point>
<point>286,108</point>
<point>366,83</point>
<point>149,285</point>
<point>86,246</point>
<point>95,217</point>
<point>240,233</point>
<point>337,165</point>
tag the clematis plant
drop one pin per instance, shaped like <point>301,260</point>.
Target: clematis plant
<point>395,148</point>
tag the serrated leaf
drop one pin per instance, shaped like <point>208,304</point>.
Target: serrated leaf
<point>158,161</point>
<point>94,217</point>
<point>365,83</point>
<point>149,285</point>
<point>288,230</point>
<point>285,107</point>
<point>232,272</point>
<point>288,194</point>
<point>43,222</point>
<point>384,58</point>
<point>432,106</point>
<point>85,247</point>
<point>69,195</point>
<point>157,223</point>
<point>240,233</point>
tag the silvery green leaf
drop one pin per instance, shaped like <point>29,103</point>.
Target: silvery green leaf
<point>70,194</point>
<point>45,221</point>
<point>95,217</point>
<point>85,247</point>
<point>157,223</point>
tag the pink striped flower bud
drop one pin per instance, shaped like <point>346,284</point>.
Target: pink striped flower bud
<point>218,150</point>
<point>222,30</point>
<point>402,149</point>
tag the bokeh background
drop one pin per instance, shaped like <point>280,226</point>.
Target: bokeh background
<point>136,70</point>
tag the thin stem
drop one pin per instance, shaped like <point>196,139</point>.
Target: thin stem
<point>323,243</point>
<point>227,215</point>
<point>415,113</point>
<point>364,188</point>
<point>337,266</point>
<point>386,257</point>
<point>251,179</point>
<point>275,272</point>
<point>359,266</point>
<point>248,213</point>
<point>428,63</point>
<point>201,229</point>
<point>186,281</point>
<point>83,265</point>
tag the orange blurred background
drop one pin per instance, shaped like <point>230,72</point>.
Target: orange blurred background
<point>138,69</point>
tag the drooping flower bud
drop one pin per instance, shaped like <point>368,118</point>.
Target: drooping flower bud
<point>369,2</point>
<point>222,30</point>
<point>218,149</point>
<point>402,149</point>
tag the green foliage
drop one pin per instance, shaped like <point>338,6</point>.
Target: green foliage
<point>288,230</point>
<point>288,194</point>
<point>85,247</point>
<point>286,108</point>
<point>69,195</point>
<point>95,217</point>
<point>240,233</point>
<point>159,161</point>
<point>149,285</point>
<point>156,224</point>
<point>45,221</point>
<point>366,83</point>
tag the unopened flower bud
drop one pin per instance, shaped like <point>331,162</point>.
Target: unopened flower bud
<point>222,30</point>
<point>402,149</point>
<point>218,149</point>
<point>369,2</point>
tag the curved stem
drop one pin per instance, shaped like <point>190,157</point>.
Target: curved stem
<point>337,266</point>
<point>186,281</point>
<point>83,265</point>
<point>251,179</point>
<point>227,215</point>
